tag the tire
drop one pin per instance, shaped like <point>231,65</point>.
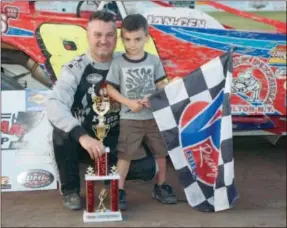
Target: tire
<point>9,83</point>
<point>9,56</point>
<point>142,169</point>
<point>17,57</point>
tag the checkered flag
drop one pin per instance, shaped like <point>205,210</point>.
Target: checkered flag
<point>194,117</point>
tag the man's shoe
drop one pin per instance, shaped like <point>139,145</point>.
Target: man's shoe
<point>73,201</point>
<point>164,194</point>
<point>122,200</point>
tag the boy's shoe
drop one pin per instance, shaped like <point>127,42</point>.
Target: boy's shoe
<point>122,200</point>
<point>73,201</point>
<point>164,194</point>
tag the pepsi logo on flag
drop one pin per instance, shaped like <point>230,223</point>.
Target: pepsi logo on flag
<point>194,118</point>
<point>202,150</point>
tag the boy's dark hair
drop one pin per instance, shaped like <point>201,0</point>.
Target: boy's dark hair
<point>135,22</point>
<point>102,16</point>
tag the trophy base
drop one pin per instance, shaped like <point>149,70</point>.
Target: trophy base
<point>101,178</point>
<point>106,216</point>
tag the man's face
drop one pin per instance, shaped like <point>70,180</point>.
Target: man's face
<point>102,38</point>
<point>134,41</point>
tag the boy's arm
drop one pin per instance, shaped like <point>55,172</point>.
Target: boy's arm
<point>162,83</point>
<point>115,94</point>
<point>160,78</point>
<point>113,83</point>
<point>133,105</point>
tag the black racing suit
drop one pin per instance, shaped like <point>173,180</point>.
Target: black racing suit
<point>69,109</point>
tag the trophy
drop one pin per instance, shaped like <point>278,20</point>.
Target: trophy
<point>101,106</point>
<point>101,172</point>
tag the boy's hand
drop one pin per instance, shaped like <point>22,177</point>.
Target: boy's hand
<point>135,105</point>
<point>145,102</point>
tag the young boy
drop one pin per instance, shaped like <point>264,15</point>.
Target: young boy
<point>133,77</point>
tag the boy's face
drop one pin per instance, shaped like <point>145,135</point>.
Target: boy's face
<point>134,41</point>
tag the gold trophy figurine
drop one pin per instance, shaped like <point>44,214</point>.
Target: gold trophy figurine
<point>101,108</point>
<point>102,196</point>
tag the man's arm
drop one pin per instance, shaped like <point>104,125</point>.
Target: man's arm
<point>60,101</point>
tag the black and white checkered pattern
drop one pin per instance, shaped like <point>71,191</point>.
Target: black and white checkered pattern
<point>204,84</point>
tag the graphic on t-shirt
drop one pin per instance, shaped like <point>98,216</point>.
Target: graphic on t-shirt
<point>138,81</point>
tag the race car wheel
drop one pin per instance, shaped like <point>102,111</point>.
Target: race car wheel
<point>16,57</point>
<point>9,83</point>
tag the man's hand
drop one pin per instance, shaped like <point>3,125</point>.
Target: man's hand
<point>94,147</point>
<point>135,105</point>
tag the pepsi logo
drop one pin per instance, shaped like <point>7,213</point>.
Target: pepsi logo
<point>200,138</point>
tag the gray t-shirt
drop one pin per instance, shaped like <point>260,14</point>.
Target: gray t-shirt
<point>136,79</point>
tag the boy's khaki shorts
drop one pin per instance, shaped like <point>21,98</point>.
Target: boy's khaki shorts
<point>133,133</point>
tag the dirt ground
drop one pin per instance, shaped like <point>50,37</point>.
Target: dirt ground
<point>260,172</point>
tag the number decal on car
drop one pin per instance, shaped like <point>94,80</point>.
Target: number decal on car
<point>52,38</point>
<point>59,43</point>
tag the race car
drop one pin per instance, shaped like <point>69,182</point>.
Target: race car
<point>182,36</point>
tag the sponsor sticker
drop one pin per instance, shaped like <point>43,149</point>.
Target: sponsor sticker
<point>94,78</point>
<point>35,99</point>
<point>254,82</point>
<point>35,178</point>
<point>176,21</point>
<point>278,56</point>
<point>11,130</point>
<point>5,182</point>
<point>9,13</point>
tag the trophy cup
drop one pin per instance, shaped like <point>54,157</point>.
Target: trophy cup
<point>100,172</point>
<point>101,106</point>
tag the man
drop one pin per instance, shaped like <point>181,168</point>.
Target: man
<point>69,109</point>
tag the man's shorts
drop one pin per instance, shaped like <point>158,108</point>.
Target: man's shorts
<point>133,133</point>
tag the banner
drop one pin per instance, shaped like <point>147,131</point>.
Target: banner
<point>194,117</point>
<point>26,162</point>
